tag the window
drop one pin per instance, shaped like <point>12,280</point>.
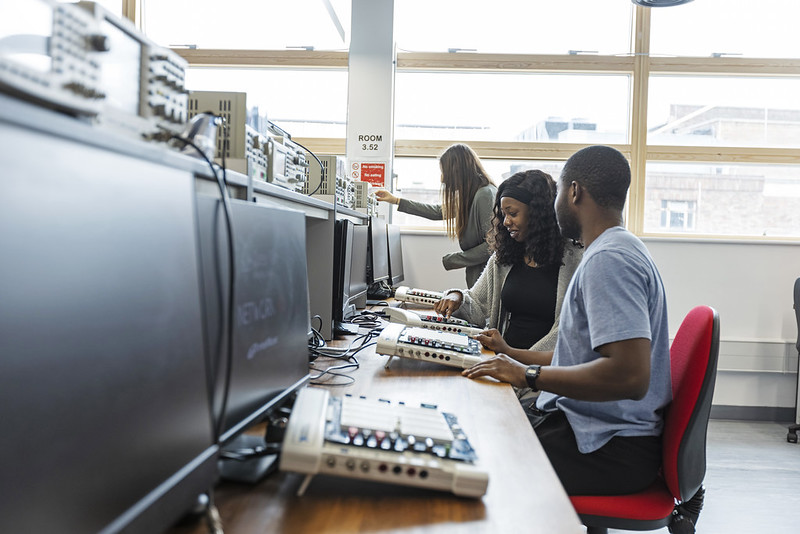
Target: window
<point>710,122</point>
<point>244,24</point>
<point>512,107</point>
<point>724,111</point>
<point>113,6</point>
<point>727,28</point>
<point>677,215</point>
<point>514,27</point>
<point>419,179</point>
<point>305,103</point>
<point>723,199</point>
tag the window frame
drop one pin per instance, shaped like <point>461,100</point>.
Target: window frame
<point>639,66</point>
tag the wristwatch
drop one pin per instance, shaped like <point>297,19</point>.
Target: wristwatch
<point>531,374</point>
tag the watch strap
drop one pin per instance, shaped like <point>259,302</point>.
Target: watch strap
<point>531,375</point>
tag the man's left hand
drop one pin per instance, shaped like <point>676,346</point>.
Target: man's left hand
<point>502,367</point>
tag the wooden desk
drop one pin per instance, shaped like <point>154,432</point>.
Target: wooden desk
<point>524,494</point>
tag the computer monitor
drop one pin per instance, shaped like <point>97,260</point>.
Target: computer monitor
<point>378,251</point>
<point>267,358</point>
<point>349,272</point>
<point>395,254</point>
<point>358,267</point>
<point>106,424</point>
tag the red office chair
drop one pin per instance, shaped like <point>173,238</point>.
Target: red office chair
<point>676,498</point>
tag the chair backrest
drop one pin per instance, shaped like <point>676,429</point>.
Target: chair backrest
<point>693,360</point>
<point>797,311</point>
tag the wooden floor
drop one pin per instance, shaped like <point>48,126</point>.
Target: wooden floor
<point>752,481</point>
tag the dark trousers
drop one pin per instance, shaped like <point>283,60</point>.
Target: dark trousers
<point>623,465</point>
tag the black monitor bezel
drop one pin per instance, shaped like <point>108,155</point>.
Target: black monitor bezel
<point>395,254</point>
<point>378,250</point>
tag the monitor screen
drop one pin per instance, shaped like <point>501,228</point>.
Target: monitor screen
<point>104,402</point>
<point>342,258</point>
<point>121,70</point>
<point>350,286</point>
<point>269,352</point>
<point>395,254</point>
<point>357,294</point>
<point>378,250</point>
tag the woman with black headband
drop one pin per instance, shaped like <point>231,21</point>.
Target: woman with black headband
<point>519,294</point>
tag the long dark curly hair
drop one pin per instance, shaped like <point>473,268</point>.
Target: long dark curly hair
<point>544,243</point>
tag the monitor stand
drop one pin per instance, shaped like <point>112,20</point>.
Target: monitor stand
<point>251,470</point>
<point>345,329</point>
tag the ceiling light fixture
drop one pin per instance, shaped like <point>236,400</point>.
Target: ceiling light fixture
<point>659,3</point>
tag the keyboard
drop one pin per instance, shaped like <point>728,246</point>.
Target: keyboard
<point>380,441</point>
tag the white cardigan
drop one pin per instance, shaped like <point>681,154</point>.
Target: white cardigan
<point>482,305</point>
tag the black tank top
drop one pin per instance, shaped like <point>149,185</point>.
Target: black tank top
<point>529,296</point>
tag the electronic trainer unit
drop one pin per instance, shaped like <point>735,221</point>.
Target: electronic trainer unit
<point>455,350</point>
<point>417,296</point>
<point>84,60</point>
<point>379,441</point>
<point>434,321</point>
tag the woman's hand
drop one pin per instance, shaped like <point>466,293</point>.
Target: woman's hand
<point>492,340</point>
<point>449,303</point>
<point>384,196</point>
<point>501,367</point>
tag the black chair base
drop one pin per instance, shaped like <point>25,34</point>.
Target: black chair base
<point>791,437</point>
<point>683,520</point>
<point>685,516</point>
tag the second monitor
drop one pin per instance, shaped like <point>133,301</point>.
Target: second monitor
<point>395,255</point>
<point>350,272</point>
<point>378,251</point>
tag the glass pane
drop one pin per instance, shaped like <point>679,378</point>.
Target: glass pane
<point>512,107</point>
<point>419,179</point>
<point>247,24</point>
<point>305,103</point>
<point>766,28</point>
<point>113,6</point>
<point>514,26</point>
<point>724,111</point>
<point>722,199</point>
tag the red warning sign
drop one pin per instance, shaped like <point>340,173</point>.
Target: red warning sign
<point>374,173</point>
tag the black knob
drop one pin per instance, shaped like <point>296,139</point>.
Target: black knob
<point>99,42</point>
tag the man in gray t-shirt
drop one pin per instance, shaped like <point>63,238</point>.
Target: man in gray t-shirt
<point>606,384</point>
<point>616,294</point>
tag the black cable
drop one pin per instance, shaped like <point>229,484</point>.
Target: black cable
<point>321,168</point>
<point>368,319</point>
<point>345,354</point>
<point>350,380</point>
<point>218,351</point>
<point>348,355</point>
<point>222,184</point>
<point>251,452</point>
<point>313,380</point>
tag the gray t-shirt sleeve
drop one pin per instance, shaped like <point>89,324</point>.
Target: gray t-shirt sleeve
<point>615,299</point>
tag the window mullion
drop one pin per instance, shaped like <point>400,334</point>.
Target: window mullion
<point>638,129</point>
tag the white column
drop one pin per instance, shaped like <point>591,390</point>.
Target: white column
<point>370,93</point>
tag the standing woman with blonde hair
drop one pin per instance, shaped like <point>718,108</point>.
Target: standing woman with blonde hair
<point>467,199</point>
